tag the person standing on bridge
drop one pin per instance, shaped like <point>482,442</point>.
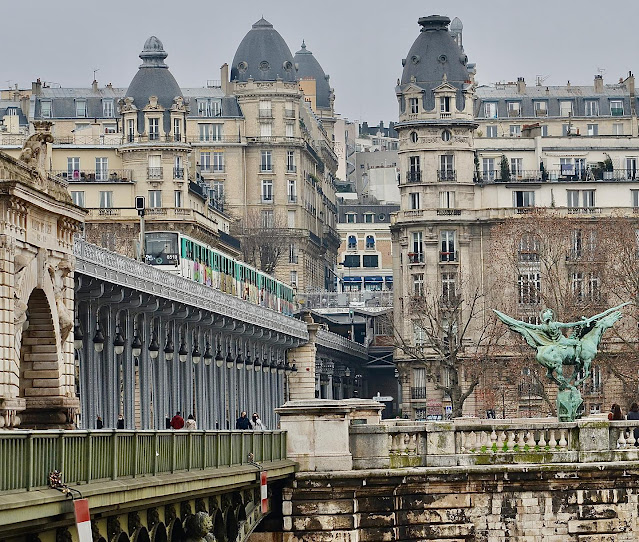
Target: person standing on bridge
<point>120,424</point>
<point>243,422</point>
<point>99,424</point>
<point>258,425</point>
<point>177,422</point>
<point>190,423</point>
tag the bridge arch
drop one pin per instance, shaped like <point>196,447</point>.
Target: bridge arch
<point>158,533</point>
<point>121,537</point>
<point>141,535</point>
<point>176,531</point>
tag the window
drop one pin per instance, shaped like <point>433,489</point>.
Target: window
<point>292,191</point>
<point>290,130</point>
<point>155,199</point>
<point>130,130</point>
<point>566,129</point>
<point>292,253</point>
<point>418,284</point>
<point>565,108</point>
<point>592,293</point>
<point>447,169</point>
<point>413,105</point>
<point>293,279</point>
<point>351,218</point>
<point>528,248</point>
<point>515,130</point>
<point>593,129</point>
<point>414,174</point>
<point>414,137</point>
<point>205,161</point>
<point>488,169</point>
<point>290,218</point>
<point>266,163</point>
<point>73,168</point>
<point>421,338</point>
<point>631,168</point>
<point>208,108</point>
<point>417,255</point>
<point>541,108</point>
<point>529,288</point>
<point>591,108</point>
<point>266,130</point>
<point>444,104</point>
<point>45,109</point>
<point>617,129</point>
<point>370,260</point>
<point>449,287</point>
<point>81,108</point>
<point>154,129</point>
<point>218,161</point>
<point>177,198</point>
<point>107,108</point>
<point>491,131</point>
<point>516,167</point>
<point>155,166</point>
<point>265,110</point>
<point>217,191</point>
<point>267,191</point>
<point>178,169</point>
<point>101,169</point>
<point>106,199</point>
<point>514,109</point>
<point>580,167</point>
<point>584,199</point>
<point>352,242</point>
<point>369,218</point>
<point>351,260</point>
<point>523,198</point>
<point>177,130</point>
<point>210,132</point>
<point>267,219</point>
<point>447,200</point>
<point>78,197</point>
<point>290,162</point>
<point>413,199</point>
<point>490,110</point>
<point>544,130</point>
<point>110,128</point>
<point>370,241</point>
<point>616,108</point>
<point>635,198</point>
<point>447,246</point>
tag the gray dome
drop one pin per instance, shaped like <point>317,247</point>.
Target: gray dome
<point>263,56</point>
<point>433,54</point>
<point>309,68</point>
<point>153,79</point>
<point>456,25</point>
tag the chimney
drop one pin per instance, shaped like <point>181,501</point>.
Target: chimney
<point>630,84</point>
<point>36,87</point>
<point>224,78</point>
<point>598,84</point>
<point>521,85</point>
<point>94,86</point>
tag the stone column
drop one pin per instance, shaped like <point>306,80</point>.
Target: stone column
<point>302,383</point>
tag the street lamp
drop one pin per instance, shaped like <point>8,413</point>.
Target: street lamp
<point>195,353</point>
<point>239,361</point>
<point>136,345</point>
<point>257,365</point>
<point>118,341</point>
<point>229,360</point>
<point>77,336</point>
<point>219,360</point>
<point>265,365</point>
<point>154,347</point>
<point>168,349</point>
<point>208,357</point>
<point>248,363</point>
<point>182,352</point>
<point>98,339</point>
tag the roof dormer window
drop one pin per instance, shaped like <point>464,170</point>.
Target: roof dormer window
<point>490,110</point>
<point>81,108</point>
<point>413,104</point>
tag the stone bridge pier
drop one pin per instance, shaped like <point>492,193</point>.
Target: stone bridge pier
<point>38,223</point>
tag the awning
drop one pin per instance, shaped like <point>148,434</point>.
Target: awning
<point>373,279</point>
<point>389,279</point>
<point>352,279</point>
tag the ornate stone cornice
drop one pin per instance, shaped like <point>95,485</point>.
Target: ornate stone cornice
<point>108,266</point>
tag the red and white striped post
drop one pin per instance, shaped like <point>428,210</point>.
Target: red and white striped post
<point>263,492</point>
<point>83,520</point>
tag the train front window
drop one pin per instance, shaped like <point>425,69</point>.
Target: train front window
<point>162,248</point>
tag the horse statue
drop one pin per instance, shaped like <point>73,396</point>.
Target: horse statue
<point>554,350</point>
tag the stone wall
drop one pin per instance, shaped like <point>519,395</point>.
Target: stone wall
<point>557,504</point>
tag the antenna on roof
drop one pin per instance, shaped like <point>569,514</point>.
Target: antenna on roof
<point>540,79</point>
<point>601,71</point>
<point>96,70</point>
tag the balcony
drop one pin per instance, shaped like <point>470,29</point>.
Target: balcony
<point>445,115</point>
<point>178,173</point>
<point>445,257</point>
<point>541,112</point>
<point>155,173</point>
<point>289,113</point>
<point>212,138</point>
<point>108,211</point>
<point>584,210</point>
<point>268,199</point>
<point>413,213</point>
<point>415,257</point>
<point>418,393</point>
<point>446,175</point>
<point>414,176</point>
<point>291,168</point>
<point>521,176</point>
<point>449,212</point>
<point>292,198</point>
<point>266,113</point>
<point>266,169</point>
<point>100,176</point>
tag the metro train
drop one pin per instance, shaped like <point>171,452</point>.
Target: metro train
<point>178,253</point>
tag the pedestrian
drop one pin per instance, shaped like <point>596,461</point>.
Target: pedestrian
<point>120,424</point>
<point>634,415</point>
<point>615,412</point>
<point>243,422</point>
<point>177,422</point>
<point>167,423</point>
<point>190,423</point>
<point>99,424</point>
<point>258,425</point>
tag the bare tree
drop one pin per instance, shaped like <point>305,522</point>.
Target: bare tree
<point>264,239</point>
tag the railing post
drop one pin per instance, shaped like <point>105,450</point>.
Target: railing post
<point>218,452</point>
<point>89,456</point>
<point>30,461</point>
<point>61,452</point>
<point>204,450</point>
<point>190,461</point>
<point>172,451</point>
<point>114,451</point>
<point>156,441</point>
<point>230,453</point>
<point>135,454</point>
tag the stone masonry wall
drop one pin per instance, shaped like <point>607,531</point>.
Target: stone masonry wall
<point>549,503</point>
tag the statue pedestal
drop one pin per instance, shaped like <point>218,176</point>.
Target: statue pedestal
<point>568,403</point>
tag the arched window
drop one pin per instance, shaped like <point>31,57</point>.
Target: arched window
<point>370,241</point>
<point>352,242</point>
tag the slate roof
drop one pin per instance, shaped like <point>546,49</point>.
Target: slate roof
<point>8,104</point>
<point>433,55</point>
<point>309,67</point>
<point>263,56</point>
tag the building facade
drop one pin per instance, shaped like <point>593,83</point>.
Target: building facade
<point>471,158</point>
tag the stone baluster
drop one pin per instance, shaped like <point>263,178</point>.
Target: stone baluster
<point>493,439</point>
<point>563,443</point>
<point>630,439</point>
<point>530,440</point>
<point>411,445</point>
<point>542,439</point>
<point>553,441</point>
<point>472,441</point>
<point>520,440</point>
<point>395,443</point>
<point>621,441</point>
<point>484,440</point>
<point>510,445</point>
<point>501,441</point>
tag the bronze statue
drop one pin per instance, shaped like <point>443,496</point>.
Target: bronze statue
<point>554,350</point>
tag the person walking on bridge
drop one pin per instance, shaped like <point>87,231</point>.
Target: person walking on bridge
<point>243,422</point>
<point>177,422</point>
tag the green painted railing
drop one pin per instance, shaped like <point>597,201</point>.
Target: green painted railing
<point>27,457</point>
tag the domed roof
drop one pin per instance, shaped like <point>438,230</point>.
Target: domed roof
<point>456,25</point>
<point>435,54</point>
<point>153,79</point>
<point>309,68</point>
<point>263,56</point>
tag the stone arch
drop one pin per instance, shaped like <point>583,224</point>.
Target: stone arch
<point>121,537</point>
<point>230,522</point>
<point>141,535</point>
<point>159,533</point>
<point>218,524</point>
<point>176,531</point>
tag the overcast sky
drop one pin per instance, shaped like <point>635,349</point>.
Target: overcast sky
<point>359,43</point>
